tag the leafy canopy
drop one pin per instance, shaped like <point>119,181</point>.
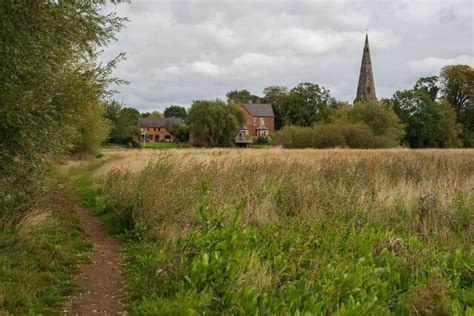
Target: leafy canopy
<point>428,123</point>
<point>176,111</point>
<point>53,86</point>
<point>215,120</point>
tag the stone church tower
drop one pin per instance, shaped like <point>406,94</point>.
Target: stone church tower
<point>366,87</point>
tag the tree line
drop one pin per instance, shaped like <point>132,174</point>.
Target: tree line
<point>436,112</point>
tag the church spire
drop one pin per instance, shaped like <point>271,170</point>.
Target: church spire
<point>366,87</point>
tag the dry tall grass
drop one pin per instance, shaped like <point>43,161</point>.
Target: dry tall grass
<point>420,191</point>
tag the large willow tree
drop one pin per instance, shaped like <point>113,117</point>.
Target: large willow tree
<point>52,86</point>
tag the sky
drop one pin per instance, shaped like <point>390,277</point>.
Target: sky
<point>180,51</point>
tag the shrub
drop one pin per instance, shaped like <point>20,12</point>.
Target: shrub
<point>261,141</point>
<point>381,118</point>
<point>338,133</point>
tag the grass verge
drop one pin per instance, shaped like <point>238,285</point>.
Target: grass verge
<point>160,145</point>
<point>40,248</point>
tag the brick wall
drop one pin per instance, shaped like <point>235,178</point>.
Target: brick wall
<point>157,134</point>
<point>269,122</point>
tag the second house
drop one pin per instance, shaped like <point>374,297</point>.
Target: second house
<point>157,129</point>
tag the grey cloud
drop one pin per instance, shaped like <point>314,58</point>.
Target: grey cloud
<point>179,51</point>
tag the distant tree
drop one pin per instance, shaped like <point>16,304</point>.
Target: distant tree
<point>241,96</point>
<point>380,117</point>
<point>457,88</point>
<point>176,111</point>
<point>154,114</point>
<point>112,109</point>
<point>124,123</point>
<point>92,129</point>
<point>216,120</point>
<point>305,105</point>
<point>428,123</point>
<point>428,84</point>
<point>180,132</point>
<point>274,96</point>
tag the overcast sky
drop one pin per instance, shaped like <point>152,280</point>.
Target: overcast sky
<point>179,51</point>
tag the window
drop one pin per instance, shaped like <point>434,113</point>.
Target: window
<point>262,121</point>
<point>254,121</point>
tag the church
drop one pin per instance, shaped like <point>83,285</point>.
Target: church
<point>366,86</point>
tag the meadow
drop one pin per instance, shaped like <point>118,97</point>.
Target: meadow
<point>274,231</point>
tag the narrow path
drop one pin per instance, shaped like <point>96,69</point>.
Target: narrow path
<point>101,280</point>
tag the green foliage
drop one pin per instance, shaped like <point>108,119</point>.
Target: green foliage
<point>339,133</point>
<point>124,124</point>
<point>261,141</point>
<point>176,111</point>
<point>381,118</point>
<point>457,88</point>
<point>91,129</point>
<point>274,95</point>
<point>290,268</point>
<point>429,123</point>
<point>48,62</point>
<point>216,120</point>
<point>180,132</point>
<point>305,105</point>
<point>241,96</point>
<point>429,85</point>
<point>365,125</point>
<point>154,114</point>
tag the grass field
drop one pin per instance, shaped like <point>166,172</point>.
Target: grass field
<point>272,231</point>
<point>160,145</point>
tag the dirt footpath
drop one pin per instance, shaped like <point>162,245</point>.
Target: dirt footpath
<point>101,280</point>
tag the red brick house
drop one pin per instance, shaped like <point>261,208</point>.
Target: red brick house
<point>259,122</point>
<point>156,129</point>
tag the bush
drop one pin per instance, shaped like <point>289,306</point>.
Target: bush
<point>381,118</point>
<point>261,141</point>
<point>330,135</point>
<point>365,125</point>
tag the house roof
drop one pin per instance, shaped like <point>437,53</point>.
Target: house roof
<point>259,109</point>
<point>159,122</point>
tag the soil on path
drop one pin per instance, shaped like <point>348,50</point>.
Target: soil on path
<point>101,280</point>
